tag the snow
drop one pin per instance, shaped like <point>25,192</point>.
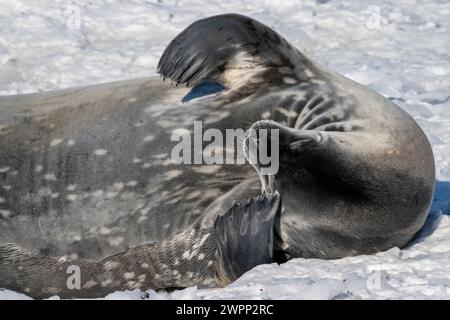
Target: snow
<point>398,48</point>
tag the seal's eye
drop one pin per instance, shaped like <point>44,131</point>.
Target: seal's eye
<point>203,89</point>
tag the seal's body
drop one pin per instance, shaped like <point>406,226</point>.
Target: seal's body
<point>86,177</point>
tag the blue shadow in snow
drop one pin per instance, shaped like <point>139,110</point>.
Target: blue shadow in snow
<point>441,203</point>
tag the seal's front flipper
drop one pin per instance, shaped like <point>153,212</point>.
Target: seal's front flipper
<point>245,236</point>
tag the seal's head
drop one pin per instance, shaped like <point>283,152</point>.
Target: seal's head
<point>289,147</point>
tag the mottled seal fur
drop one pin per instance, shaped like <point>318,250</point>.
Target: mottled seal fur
<point>86,178</point>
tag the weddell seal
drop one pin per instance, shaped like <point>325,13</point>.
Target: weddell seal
<point>91,201</point>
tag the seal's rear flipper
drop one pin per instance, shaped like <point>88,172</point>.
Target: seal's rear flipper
<point>230,49</point>
<point>245,236</point>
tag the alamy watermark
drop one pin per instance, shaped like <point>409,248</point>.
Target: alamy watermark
<point>73,17</point>
<point>74,278</point>
<point>258,147</point>
<point>375,20</point>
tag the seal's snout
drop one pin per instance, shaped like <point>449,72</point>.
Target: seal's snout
<point>262,149</point>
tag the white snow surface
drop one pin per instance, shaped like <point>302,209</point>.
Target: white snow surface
<point>398,48</point>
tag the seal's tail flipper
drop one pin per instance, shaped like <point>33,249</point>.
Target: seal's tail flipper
<point>230,49</point>
<point>245,236</point>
